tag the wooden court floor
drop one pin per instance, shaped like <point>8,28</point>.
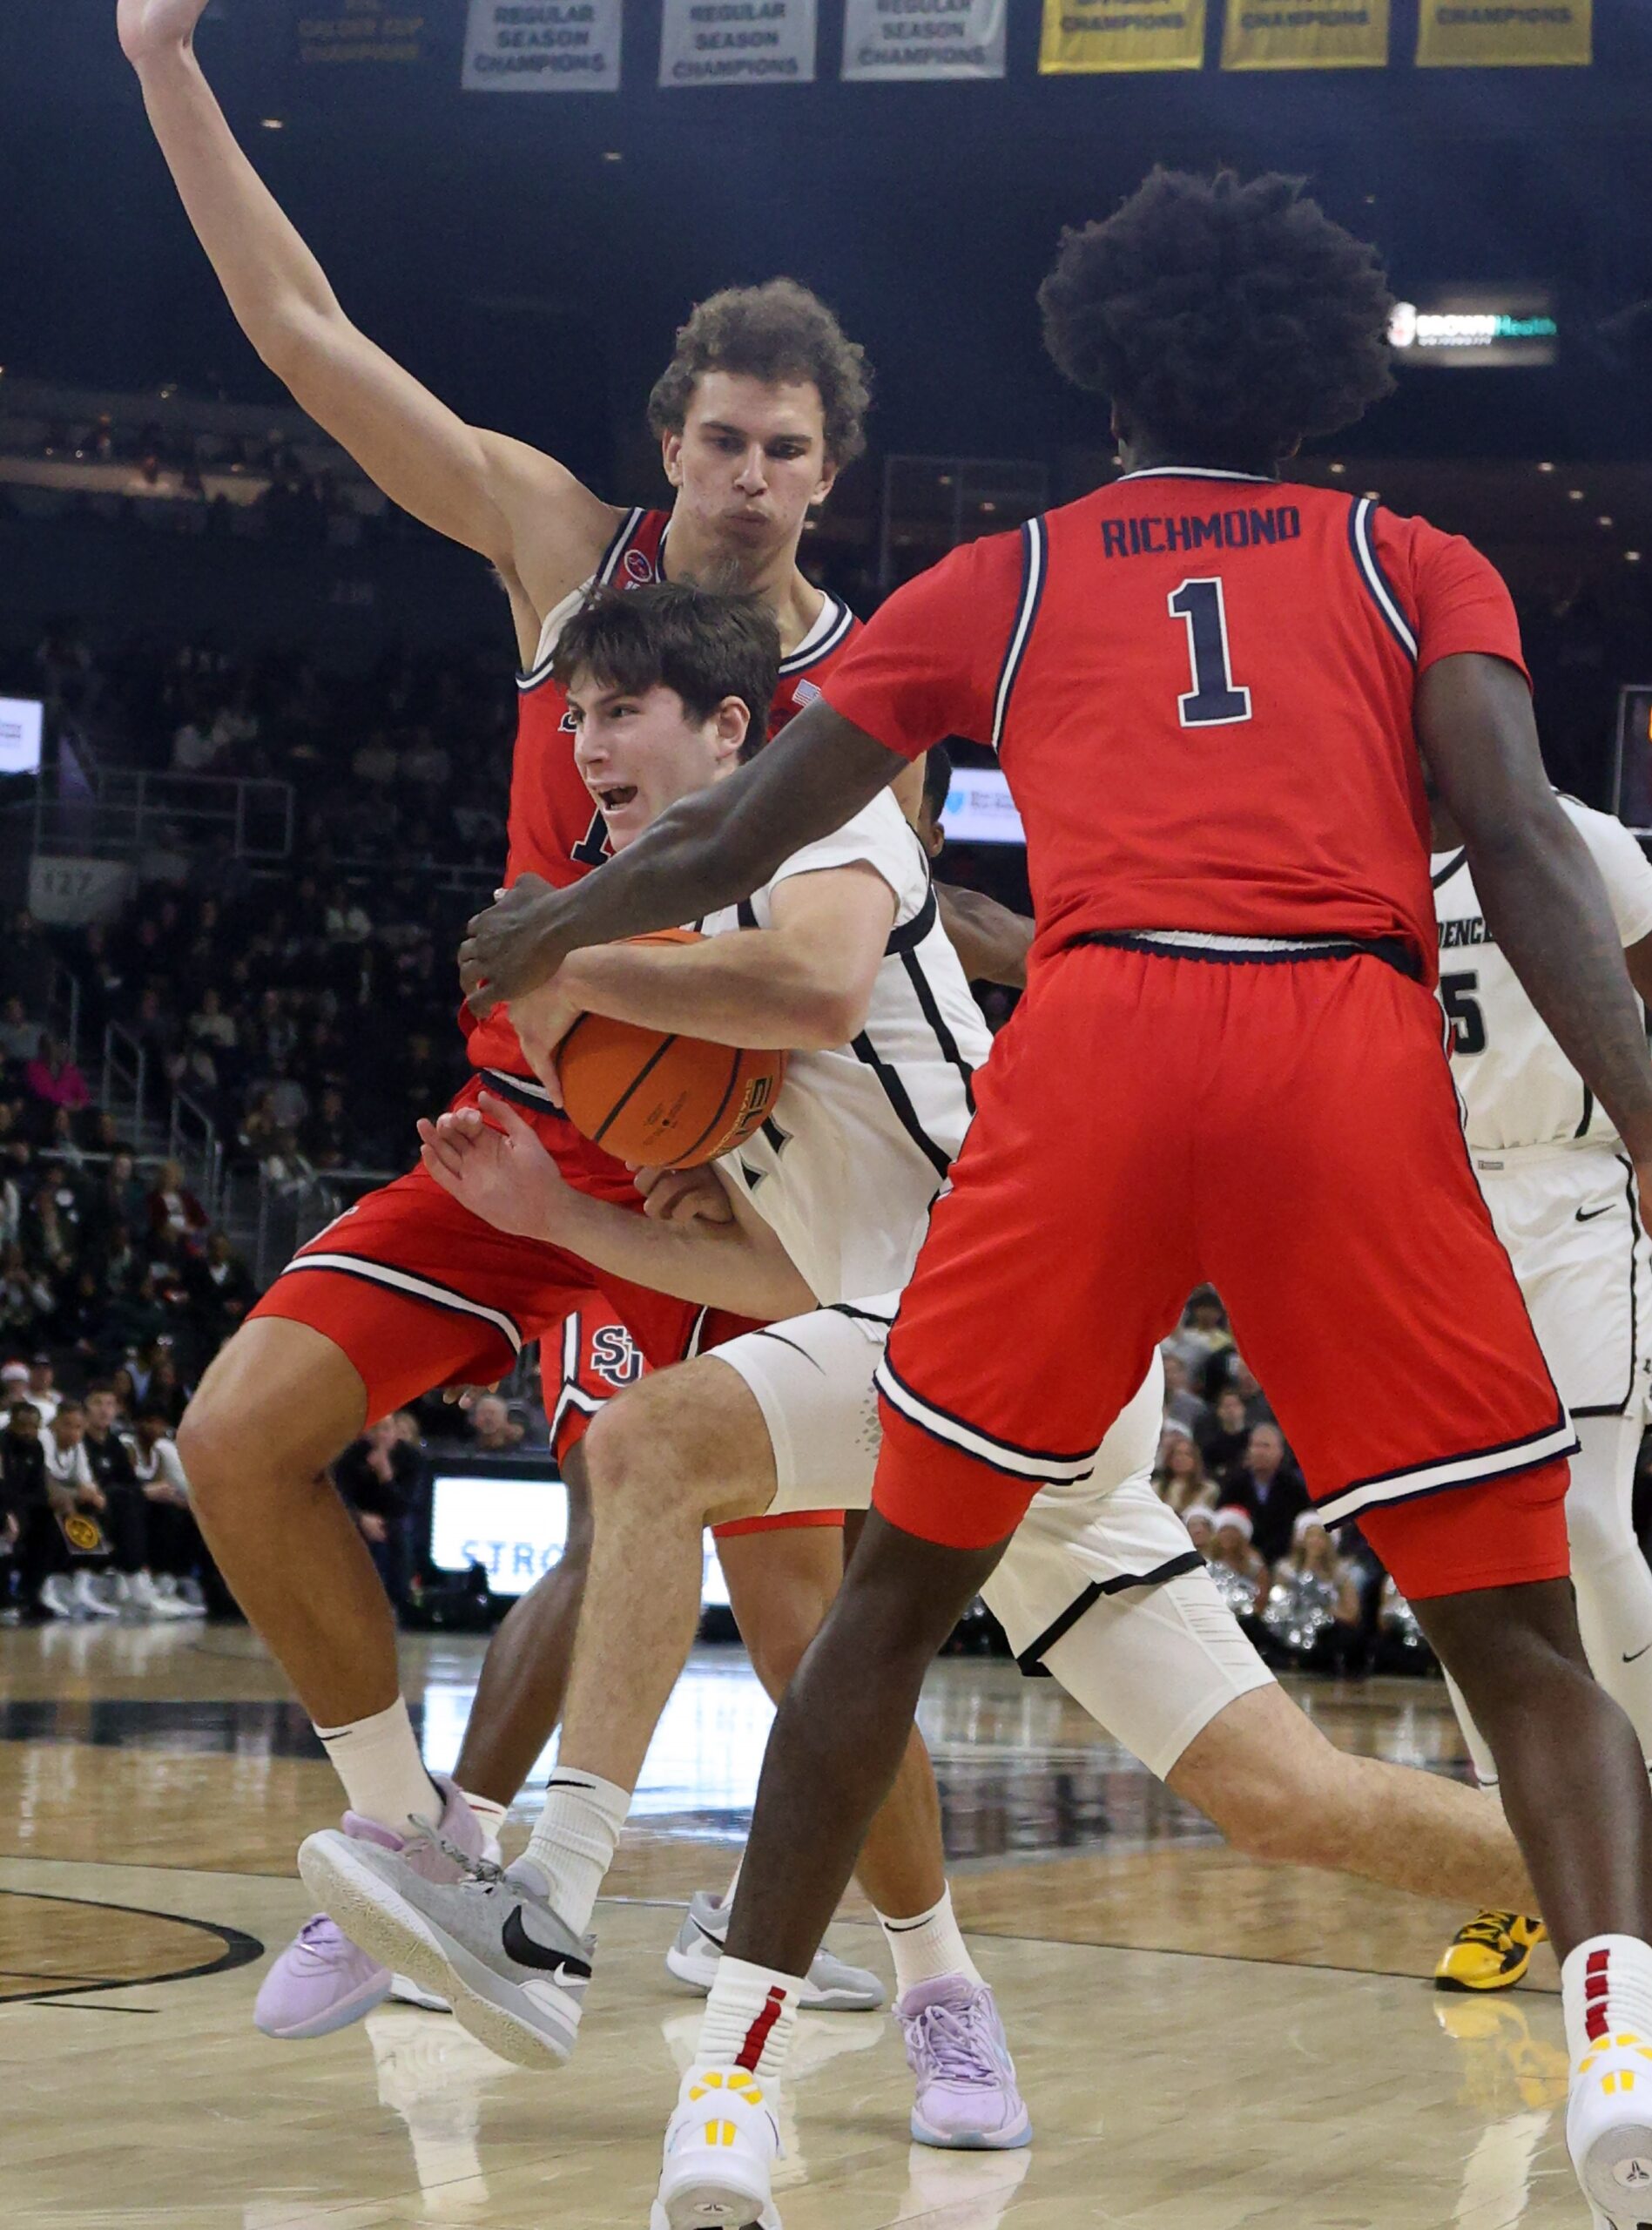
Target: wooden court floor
<point>1206,2044</point>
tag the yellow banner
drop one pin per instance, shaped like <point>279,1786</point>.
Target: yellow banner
<point>1504,34</point>
<point>1305,35</point>
<point>1088,35</point>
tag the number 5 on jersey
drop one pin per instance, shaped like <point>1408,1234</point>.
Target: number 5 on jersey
<point>1214,701</point>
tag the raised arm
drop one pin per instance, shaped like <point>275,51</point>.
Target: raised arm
<point>711,850</point>
<point>497,495</point>
<point>1543,897</point>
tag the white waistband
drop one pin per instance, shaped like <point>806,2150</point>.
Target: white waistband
<point>1491,1159</point>
<point>1215,941</point>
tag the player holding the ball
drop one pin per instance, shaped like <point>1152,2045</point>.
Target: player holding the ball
<point>762,404</point>
<point>815,1221</point>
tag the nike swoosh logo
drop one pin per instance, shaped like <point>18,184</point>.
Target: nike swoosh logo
<point>1639,1653</point>
<point>520,1947</point>
<point>1587,1215</point>
<point>716,1941</point>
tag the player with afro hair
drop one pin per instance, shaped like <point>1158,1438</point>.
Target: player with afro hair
<point>1226,318</point>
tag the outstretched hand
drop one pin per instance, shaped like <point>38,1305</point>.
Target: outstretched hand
<point>152,27</point>
<point>492,1163</point>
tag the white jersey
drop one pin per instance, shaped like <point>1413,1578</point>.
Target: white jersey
<point>1517,1086</point>
<point>859,1143</point>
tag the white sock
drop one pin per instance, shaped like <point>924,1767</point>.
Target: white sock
<point>750,2017</point>
<point>384,1778</point>
<point>928,1947</point>
<point>489,1817</point>
<point>573,1839</point>
<point>1606,1990</point>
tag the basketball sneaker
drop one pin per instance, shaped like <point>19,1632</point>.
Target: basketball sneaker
<point>1608,2130</point>
<point>55,1597</point>
<point>1491,1951</point>
<point>483,1937</point>
<point>323,1981</point>
<point>832,1985</point>
<point>967,2101</point>
<point>720,2145</point>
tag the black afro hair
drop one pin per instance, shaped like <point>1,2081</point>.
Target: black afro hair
<point>1227,318</point>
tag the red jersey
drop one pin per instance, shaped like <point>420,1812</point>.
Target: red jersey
<point>555,830</point>
<point>1200,686</point>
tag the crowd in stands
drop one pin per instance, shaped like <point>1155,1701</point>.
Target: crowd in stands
<point>1309,1601</point>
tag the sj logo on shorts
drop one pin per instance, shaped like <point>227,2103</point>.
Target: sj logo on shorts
<point>615,1356</point>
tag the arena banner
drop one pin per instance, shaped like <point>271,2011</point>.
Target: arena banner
<point>345,31</point>
<point>1305,35</point>
<point>1082,36</point>
<point>543,46</point>
<point>737,43</point>
<point>917,39</point>
<point>1504,34</point>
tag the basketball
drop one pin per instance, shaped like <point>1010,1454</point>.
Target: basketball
<point>659,1099</point>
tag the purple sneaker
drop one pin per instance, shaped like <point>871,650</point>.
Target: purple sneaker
<point>322,1982</point>
<point>967,2099</point>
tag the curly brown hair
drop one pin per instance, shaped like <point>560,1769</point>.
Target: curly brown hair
<point>776,332</point>
<point>1226,317</point>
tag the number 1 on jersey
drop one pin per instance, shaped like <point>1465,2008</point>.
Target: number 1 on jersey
<point>1213,701</point>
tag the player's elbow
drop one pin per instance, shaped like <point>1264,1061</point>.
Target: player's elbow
<point>826,1015</point>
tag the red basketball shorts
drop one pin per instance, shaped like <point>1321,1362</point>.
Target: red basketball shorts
<point>600,1359</point>
<point>419,1293</point>
<point>1286,1129</point>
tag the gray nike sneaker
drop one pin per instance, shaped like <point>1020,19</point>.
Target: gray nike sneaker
<point>489,1943</point>
<point>832,1986</point>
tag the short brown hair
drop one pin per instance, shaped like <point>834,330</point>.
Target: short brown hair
<point>669,634</point>
<point>776,332</point>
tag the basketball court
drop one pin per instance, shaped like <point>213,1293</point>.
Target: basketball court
<point>1206,2044</point>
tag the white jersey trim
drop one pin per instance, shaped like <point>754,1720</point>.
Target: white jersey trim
<point>1001,1454</point>
<point>1035,563</point>
<point>832,624</point>
<point>358,1266</point>
<point>1524,1455</point>
<point>1365,550</point>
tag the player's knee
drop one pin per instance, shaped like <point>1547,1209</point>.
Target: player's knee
<point>628,1454</point>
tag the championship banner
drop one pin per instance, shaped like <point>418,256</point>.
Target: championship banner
<point>362,31</point>
<point>737,43</point>
<point>1088,35</point>
<point>1504,34</point>
<point>543,46</point>
<point>1305,35</point>
<point>913,39</point>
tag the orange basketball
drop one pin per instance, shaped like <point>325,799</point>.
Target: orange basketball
<point>657,1098</point>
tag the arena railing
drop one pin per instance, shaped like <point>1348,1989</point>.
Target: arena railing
<point>125,813</point>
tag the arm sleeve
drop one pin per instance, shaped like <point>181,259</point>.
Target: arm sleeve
<point>1624,870</point>
<point>926,665</point>
<point>1461,599</point>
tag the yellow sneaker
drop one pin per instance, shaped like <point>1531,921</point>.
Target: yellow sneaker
<point>1492,1952</point>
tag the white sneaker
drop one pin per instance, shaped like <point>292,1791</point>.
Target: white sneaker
<point>831,1986</point>
<point>144,1595</point>
<point>55,1595</point>
<point>85,1597</point>
<point>720,2145</point>
<point>187,1590</point>
<point>1609,2129</point>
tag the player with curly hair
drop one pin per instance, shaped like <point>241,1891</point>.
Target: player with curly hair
<point>1219,699</point>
